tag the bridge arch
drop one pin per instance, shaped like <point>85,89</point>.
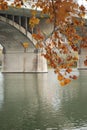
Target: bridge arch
<point>15,59</point>
<point>20,28</point>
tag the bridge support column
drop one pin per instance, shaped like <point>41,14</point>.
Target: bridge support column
<point>82,58</point>
<point>24,62</point>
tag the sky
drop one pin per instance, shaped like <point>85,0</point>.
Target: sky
<point>82,2</point>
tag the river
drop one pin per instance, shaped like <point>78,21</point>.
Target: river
<point>37,102</point>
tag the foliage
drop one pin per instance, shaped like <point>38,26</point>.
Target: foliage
<point>3,5</point>
<point>63,44</point>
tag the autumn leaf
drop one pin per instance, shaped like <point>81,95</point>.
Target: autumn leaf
<point>82,8</point>
<point>25,44</point>
<point>34,21</point>
<point>38,37</point>
<point>60,77</point>
<point>69,70</point>
<point>65,82</point>
<point>39,45</point>
<point>3,5</point>
<point>73,77</point>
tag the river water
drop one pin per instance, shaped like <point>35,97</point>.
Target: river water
<point>37,102</point>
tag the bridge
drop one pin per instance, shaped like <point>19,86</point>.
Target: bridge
<point>14,32</point>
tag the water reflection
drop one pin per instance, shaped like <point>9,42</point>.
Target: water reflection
<point>36,101</point>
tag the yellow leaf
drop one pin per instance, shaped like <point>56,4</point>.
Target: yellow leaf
<point>34,21</point>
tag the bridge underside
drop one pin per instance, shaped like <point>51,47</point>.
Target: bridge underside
<point>15,57</point>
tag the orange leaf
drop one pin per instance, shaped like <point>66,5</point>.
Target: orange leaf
<point>60,77</point>
<point>68,70</point>
<point>34,21</point>
<point>38,36</point>
<point>65,82</point>
<point>62,83</point>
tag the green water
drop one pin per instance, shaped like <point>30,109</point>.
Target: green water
<point>37,102</point>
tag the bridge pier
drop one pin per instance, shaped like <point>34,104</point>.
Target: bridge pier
<point>82,58</point>
<point>23,62</point>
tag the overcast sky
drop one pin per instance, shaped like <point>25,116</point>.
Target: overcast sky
<point>82,2</point>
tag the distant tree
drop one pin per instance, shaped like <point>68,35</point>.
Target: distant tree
<point>63,44</point>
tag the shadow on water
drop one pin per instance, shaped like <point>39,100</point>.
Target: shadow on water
<point>37,102</point>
